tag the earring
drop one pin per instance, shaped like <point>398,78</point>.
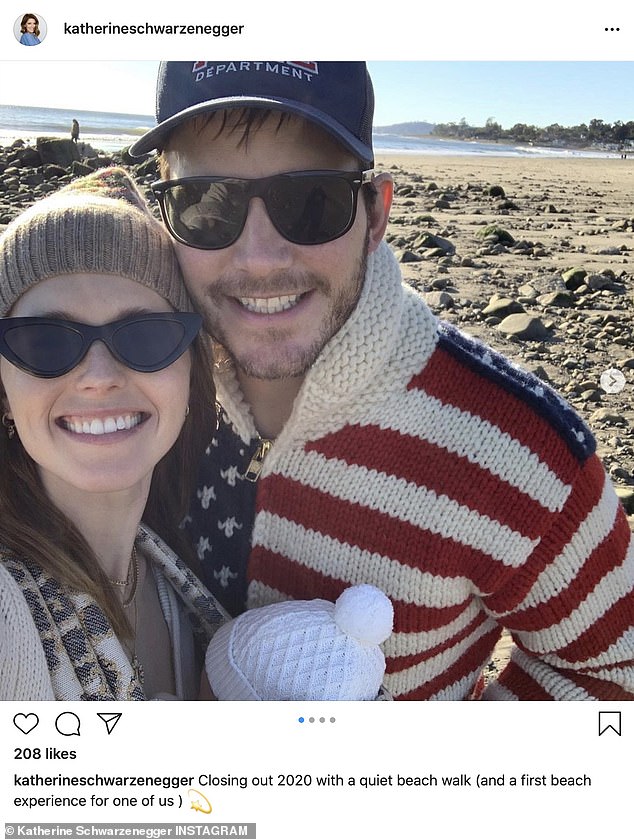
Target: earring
<point>9,424</point>
<point>186,412</point>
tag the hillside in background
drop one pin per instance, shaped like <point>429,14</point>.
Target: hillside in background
<point>406,129</point>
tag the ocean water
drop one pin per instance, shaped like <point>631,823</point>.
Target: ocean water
<point>113,131</point>
<point>105,131</point>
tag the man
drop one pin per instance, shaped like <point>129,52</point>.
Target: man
<point>361,440</point>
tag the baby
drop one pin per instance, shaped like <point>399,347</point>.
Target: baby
<point>304,650</point>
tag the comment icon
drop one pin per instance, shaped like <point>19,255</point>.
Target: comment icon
<point>68,724</point>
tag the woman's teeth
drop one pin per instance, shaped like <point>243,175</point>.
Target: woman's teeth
<point>101,426</point>
<point>269,305</point>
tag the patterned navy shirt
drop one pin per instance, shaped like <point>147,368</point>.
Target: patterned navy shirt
<point>220,520</point>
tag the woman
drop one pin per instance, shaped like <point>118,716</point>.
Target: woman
<point>30,29</point>
<point>107,404</point>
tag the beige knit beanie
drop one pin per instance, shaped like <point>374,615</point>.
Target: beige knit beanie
<point>99,224</point>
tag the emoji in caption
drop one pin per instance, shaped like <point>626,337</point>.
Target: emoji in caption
<point>199,801</point>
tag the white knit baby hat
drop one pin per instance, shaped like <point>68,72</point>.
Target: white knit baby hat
<point>303,649</point>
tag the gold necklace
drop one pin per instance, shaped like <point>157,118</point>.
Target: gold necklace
<point>132,578</point>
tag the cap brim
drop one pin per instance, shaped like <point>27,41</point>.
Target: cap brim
<point>155,138</point>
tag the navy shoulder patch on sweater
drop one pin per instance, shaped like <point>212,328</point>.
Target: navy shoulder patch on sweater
<point>541,397</point>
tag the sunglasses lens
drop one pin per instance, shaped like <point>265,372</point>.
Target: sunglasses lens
<point>207,215</point>
<point>150,345</point>
<point>44,349</point>
<point>306,209</point>
<point>310,210</point>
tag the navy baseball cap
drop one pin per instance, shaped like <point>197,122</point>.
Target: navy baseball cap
<point>335,95</point>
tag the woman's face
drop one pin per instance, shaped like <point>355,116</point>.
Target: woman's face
<point>101,427</point>
<point>31,24</point>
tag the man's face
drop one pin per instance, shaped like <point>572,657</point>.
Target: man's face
<point>272,304</point>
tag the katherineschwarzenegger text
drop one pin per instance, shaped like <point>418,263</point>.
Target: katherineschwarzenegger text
<point>216,30</point>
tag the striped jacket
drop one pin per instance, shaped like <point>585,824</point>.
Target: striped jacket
<point>421,461</point>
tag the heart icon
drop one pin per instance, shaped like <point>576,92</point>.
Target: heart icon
<point>26,722</point>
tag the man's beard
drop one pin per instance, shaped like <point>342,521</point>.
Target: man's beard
<point>293,361</point>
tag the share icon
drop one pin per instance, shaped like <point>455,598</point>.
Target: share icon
<point>110,720</point>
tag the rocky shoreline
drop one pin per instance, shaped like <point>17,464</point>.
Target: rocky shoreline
<point>534,257</point>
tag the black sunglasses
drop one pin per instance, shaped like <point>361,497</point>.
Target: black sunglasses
<point>306,208</point>
<point>48,347</point>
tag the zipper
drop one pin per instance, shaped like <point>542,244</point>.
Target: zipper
<point>257,461</point>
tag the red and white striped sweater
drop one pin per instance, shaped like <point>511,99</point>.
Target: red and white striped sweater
<point>421,461</point>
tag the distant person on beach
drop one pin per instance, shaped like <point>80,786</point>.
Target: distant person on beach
<point>98,347</point>
<point>30,29</point>
<point>74,131</point>
<point>360,438</point>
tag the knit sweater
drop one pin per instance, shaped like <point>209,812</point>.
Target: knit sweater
<point>421,461</point>
<point>58,644</point>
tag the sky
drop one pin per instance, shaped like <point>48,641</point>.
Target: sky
<point>537,93</point>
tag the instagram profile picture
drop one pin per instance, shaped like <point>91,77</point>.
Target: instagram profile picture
<point>30,29</point>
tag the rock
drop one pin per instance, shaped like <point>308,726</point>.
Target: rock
<point>53,170</point>
<point>497,192</point>
<point>621,474</point>
<point>61,152</point>
<point>574,277</point>
<point>439,300</point>
<point>506,204</point>
<point>603,282</point>
<point>542,374</point>
<point>500,235</point>
<point>502,306</point>
<point>556,298</point>
<point>591,395</point>
<point>439,284</point>
<point>524,327</point>
<point>429,240</point>
<point>26,156</point>
<point>608,416</point>
<point>78,168</point>
<point>610,251</point>
<point>408,256</point>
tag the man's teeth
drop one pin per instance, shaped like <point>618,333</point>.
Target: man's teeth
<point>98,426</point>
<point>269,305</point>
